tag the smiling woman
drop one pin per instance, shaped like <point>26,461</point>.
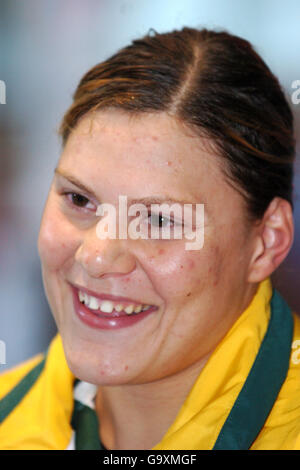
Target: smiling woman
<point>159,346</point>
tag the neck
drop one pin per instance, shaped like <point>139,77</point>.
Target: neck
<point>138,416</point>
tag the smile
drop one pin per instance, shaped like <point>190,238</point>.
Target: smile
<point>107,312</point>
<point>108,306</point>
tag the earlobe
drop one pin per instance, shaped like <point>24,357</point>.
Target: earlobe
<point>273,240</point>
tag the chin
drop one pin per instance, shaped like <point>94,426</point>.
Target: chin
<point>98,372</point>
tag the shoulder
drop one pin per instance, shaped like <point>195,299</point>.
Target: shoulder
<point>11,377</point>
<point>295,355</point>
<point>296,325</point>
<point>36,402</point>
<point>283,424</point>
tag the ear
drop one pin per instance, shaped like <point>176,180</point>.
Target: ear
<point>273,240</point>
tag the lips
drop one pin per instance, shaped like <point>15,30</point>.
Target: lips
<point>105,311</point>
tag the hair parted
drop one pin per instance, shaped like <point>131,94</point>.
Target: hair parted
<point>213,82</point>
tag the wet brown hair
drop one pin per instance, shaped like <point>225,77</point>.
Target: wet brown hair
<point>216,84</point>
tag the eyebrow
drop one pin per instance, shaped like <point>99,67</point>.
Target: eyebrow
<point>72,179</point>
<point>144,200</point>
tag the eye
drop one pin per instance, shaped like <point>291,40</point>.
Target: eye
<point>79,201</point>
<point>159,220</point>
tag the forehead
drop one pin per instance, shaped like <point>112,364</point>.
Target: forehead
<point>148,154</point>
<point>154,141</point>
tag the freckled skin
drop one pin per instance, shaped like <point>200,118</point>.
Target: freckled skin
<point>199,294</point>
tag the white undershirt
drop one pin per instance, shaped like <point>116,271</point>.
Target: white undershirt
<point>85,393</point>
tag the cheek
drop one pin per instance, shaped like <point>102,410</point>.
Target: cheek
<point>176,272</point>
<point>57,239</point>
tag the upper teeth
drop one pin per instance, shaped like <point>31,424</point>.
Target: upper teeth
<point>107,306</point>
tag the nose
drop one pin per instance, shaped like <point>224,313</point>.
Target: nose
<point>104,257</point>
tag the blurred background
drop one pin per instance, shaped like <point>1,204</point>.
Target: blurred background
<point>45,48</point>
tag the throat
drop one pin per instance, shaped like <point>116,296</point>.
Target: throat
<point>138,416</point>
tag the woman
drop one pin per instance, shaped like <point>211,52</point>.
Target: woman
<point>160,346</point>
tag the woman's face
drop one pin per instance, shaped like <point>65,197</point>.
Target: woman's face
<point>195,296</point>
